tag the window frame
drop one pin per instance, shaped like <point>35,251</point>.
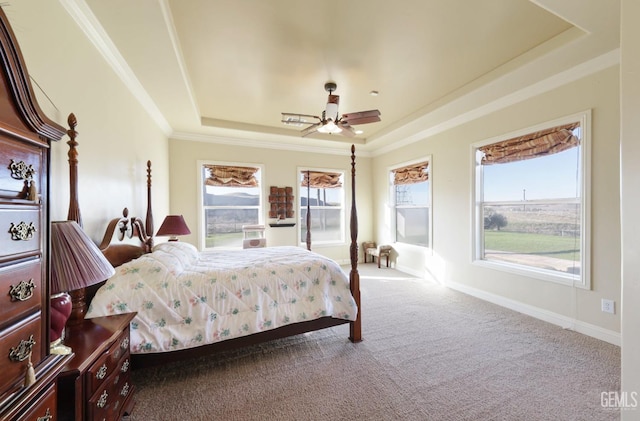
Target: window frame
<point>301,231</point>
<point>583,280</point>
<point>392,201</point>
<point>202,209</point>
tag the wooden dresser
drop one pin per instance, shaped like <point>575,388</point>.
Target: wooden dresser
<point>25,138</point>
<point>96,384</point>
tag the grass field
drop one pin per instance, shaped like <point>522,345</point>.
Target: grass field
<point>232,239</point>
<point>567,248</point>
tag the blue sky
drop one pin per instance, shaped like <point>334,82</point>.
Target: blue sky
<point>551,177</point>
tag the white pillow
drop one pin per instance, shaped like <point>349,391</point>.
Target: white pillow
<point>186,252</point>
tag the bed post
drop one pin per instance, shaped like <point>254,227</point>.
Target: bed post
<point>148,223</point>
<point>355,329</point>
<point>308,211</point>
<point>74,207</point>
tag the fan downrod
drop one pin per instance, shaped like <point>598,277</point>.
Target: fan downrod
<point>330,86</point>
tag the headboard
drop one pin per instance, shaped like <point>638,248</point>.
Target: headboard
<point>120,229</point>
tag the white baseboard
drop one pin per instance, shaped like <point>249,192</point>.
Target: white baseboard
<point>565,322</point>
<point>411,271</point>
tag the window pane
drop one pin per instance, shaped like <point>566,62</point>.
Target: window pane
<point>412,226</point>
<point>326,224</point>
<point>223,227</point>
<point>548,177</point>
<point>530,212</point>
<point>231,196</point>
<point>322,197</point>
<point>416,194</point>
<point>327,213</point>
<point>544,236</point>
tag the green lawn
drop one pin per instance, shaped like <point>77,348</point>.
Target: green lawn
<point>567,248</point>
<point>232,239</point>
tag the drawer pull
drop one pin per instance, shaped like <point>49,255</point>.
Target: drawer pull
<point>22,351</point>
<point>47,416</point>
<point>102,372</point>
<point>22,231</point>
<point>102,402</point>
<point>125,366</point>
<point>125,343</point>
<point>21,171</point>
<point>23,291</point>
<point>125,389</point>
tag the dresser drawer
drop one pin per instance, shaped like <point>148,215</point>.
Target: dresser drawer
<point>19,231</point>
<point>108,363</point>
<point>96,384</point>
<point>109,400</point>
<point>44,408</point>
<point>20,291</point>
<point>19,163</point>
<point>15,344</point>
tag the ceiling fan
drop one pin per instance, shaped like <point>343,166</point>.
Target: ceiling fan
<point>331,122</point>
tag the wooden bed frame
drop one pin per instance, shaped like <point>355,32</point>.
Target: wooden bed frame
<point>118,253</point>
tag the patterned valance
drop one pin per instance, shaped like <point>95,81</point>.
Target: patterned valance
<point>229,176</point>
<point>532,145</point>
<point>321,180</point>
<point>415,173</point>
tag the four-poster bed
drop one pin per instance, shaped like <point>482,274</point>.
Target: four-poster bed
<point>295,291</point>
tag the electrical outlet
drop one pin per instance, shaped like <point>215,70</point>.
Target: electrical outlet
<point>608,306</point>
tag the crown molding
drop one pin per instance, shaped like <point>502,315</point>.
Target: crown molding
<point>86,20</point>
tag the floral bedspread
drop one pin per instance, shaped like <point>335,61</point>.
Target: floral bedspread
<point>185,298</point>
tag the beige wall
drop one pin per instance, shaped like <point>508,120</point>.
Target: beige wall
<point>116,136</point>
<point>630,156</point>
<point>280,169</point>
<point>450,260</point>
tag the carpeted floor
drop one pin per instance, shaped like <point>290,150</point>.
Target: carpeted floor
<point>429,353</point>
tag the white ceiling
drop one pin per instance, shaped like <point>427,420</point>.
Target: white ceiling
<point>226,69</point>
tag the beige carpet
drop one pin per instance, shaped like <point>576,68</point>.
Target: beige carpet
<point>429,353</point>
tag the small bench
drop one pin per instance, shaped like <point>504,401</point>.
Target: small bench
<point>370,249</point>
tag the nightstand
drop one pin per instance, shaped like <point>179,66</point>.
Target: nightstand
<point>96,383</point>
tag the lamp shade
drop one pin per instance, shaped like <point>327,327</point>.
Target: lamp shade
<point>76,262</point>
<point>172,226</point>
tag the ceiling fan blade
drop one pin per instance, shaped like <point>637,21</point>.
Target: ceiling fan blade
<point>293,119</point>
<point>311,129</point>
<point>347,130</point>
<point>361,117</point>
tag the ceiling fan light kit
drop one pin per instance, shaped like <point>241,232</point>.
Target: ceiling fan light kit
<point>331,122</point>
<point>330,127</point>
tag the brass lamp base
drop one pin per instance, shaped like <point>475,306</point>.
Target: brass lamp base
<point>58,348</point>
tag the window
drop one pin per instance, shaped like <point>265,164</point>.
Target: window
<point>531,209</point>
<point>324,192</point>
<point>231,198</point>
<point>411,199</point>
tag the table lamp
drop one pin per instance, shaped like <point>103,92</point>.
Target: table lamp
<point>172,226</point>
<point>76,263</point>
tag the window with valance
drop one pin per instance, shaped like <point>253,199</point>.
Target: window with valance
<point>323,191</point>
<point>231,198</point>
<point>530,201</point>
<point>411,192</point>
